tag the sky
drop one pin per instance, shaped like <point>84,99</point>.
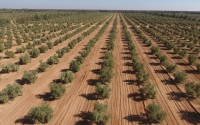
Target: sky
<point>175,5</point>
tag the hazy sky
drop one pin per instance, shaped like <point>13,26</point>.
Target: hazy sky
<point>184,5</point>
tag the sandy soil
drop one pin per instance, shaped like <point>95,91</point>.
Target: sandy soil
<point>34,94</point>
<point>123,106</point>
<point>168,95</point>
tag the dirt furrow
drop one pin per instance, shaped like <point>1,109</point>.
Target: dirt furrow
<point>166,89</point>
<point>80,97</point>
<point>175,59</point>
<point>35,94</point>
<point>123,108</point>
<point>12,77</point>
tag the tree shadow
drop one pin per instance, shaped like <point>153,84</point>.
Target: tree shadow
<point>46,96</point>
<point>85,118</point>
<point>130,82</point>
<point>170,53</point>
<point>191,71</point>
<point>99,63</point>
<point>168,81</point>
<point>128,72</point>
<point>128,64</point>
<point>92,82</point>
<point>136,96</point>
<point>126,58</point>
<point>103,48</point>
<point>126,48</point>
<point>177,96</point>
<point>24,120</point>
<point>64,70</point>
<point>160,71</point>
<point>154,64</point>
<point>20,81</point>
<point>148,53</point>
<point>103,52</point>
<point>96,71</point>
<point>91,96</point>
<point>164,48</point>
<point>176,57</point>
<point>183,64</point>
<point>191,117</point>
<point>140,119</point>
<point>152,57</point>
<point>101,57</point>
<point>56,81</point>
<point>125,52</point>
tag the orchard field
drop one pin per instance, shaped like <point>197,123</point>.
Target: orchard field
<point>99,67</point>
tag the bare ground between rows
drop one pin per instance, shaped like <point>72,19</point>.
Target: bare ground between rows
<point>171,106</point>
<point>15,111</point>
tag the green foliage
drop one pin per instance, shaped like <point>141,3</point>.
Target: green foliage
<point>21,50</point>
<point>99,114</point>
<point>19,41</point>
<point>24,59</point>
<point>1,48</point>
<point>4,98</point>
<point>102,91</point>
<point>105,75</point>
<point>74,66</point>
<point>29,46</point>
<point>162,59</point>
<point>9,54</point>
<point>84,53</point>
<point>66,77</point>
<point>37,42</point>
<point>41,114</point>
<point>8,44</point>
<point>61,52</point>
<point>10,92</point>
<point>29,77</point>
<point>80,59</point>
<point>170,68</point>
<point>53,60</point>
<point>110,46</point>
<point>155,113</point>
<point>149,43</point>
<point>183,53</point>
<point>154,49</point>
<point>198,67</point>
<point>180,77</point>
<point>50,45</point>
<point>191,46</point>
<point>57,90</point>
<point>192,89</point>
<point>169,45</point>
<point>176,50</point>
<point>148,91</point>
<point>197,50</point>
<point>34,52</point>
<point>43,48</point>
<point>192,59</point>
<point>43,66</point>
<point>141,74</point>
<point>10,67</point>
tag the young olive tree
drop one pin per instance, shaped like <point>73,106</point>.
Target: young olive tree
<point>155,113</point>
<point>41,114</point>
<point>57,90</point>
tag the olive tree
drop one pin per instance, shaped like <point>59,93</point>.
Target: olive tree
<point>57,90</point>
<point>155,113</point>
<point>41,114</point>
<point>29,77</point>
<point>66,77</point>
